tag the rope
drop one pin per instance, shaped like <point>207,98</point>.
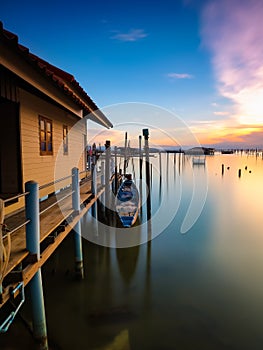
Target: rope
<point>4,250</point>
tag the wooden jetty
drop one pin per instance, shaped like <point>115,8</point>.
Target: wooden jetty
<point>57,219</point>
<point>58,216</point>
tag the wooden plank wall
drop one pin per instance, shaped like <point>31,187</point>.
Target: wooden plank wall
<point>45,169</point>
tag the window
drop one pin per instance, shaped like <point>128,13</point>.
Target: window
<point>65,139</point>
<point>46,136</point>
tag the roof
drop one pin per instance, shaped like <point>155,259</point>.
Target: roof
<point>63,80</point>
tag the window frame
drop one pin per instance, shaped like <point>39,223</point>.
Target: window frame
<point>65,139</point>
<point>48,135</point>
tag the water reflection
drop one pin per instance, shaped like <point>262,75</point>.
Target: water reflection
<point>202,290</point>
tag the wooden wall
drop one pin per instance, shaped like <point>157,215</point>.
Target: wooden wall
<point>47,168</point>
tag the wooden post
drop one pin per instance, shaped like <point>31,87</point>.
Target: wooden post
<point>223,169</point>
<point>77,229</point>
<point>140,155</point>
<point>239,172</point>
<point>160,165</point>
<point>107,173</point>
<point>167,163</point>
<point>33,246</point>
<point>179,162</point>
<point>94,189</point>
<point>94,180</point>
<point>125,155</point>
<point>89,157</point>
<point>116,171</point>
<point>147,171</point>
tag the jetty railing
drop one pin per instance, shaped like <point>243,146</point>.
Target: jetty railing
<point>32,224</point>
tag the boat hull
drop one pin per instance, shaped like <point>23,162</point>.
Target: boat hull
<point>127,203</point>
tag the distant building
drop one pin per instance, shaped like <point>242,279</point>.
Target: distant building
<point>200,151</point>
<point>39,104</point>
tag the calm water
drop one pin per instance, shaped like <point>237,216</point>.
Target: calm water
<point>201,289</point>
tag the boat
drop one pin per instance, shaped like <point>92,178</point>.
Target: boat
<point>227,151</point>
<point>127,202</point>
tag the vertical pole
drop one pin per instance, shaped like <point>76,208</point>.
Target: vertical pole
<point>116,171</point>
<point>140,154</point>
<point>94,188</point>
<point>160,165</point>
<point>147,171</point>
<point>77,229</point>
<point>179,166</point>
<point>102,179</point>
<point>33,246</point>
<point>89,157</point>
<point>107,174</point>
<point>125,154</point>
<point>94,180</point>
<point>151,177</point>
<point>223,169</point>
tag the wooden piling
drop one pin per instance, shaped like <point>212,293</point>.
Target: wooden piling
<point>140,155</point>
<point>94,186</point>
<point>223,169</point>
<point>125,154</point>
<point>147,171</point>
<point>239,172</point>
<point>33,246</point>
<point>160,165</point>
<point>115,171</point>
<point>77,229</point>
<point>107,173</point>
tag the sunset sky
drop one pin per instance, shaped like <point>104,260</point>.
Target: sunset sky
<point>201,62</point>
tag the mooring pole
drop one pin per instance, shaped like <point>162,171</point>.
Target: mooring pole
<point>223,169</point>
<point>94,189</point>
<point>77,229</point>
<point>107,174</point>
<point>94,180</point>
<point>125,154</point>
<point>140,155</point>
<point>116,171</point>
<point>102,181</point>
<point>147,171</point>
<point>160,165</point>
<point>33,246</point>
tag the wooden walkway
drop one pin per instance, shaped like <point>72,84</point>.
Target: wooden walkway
<point>55,224</point>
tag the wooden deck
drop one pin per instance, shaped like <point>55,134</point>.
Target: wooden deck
<point>55,224</point>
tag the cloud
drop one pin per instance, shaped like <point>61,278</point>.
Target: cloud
<point>232,31</point>
<point>180,76</point>
<point>221,113</point>
<point>213,132</point>
<point>132,35</point>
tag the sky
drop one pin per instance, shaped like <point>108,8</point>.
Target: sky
<point>192,66</point>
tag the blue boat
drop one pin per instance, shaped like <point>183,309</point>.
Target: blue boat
<point>127,202</point>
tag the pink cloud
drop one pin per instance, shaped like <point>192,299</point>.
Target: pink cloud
<point>232,30</point>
